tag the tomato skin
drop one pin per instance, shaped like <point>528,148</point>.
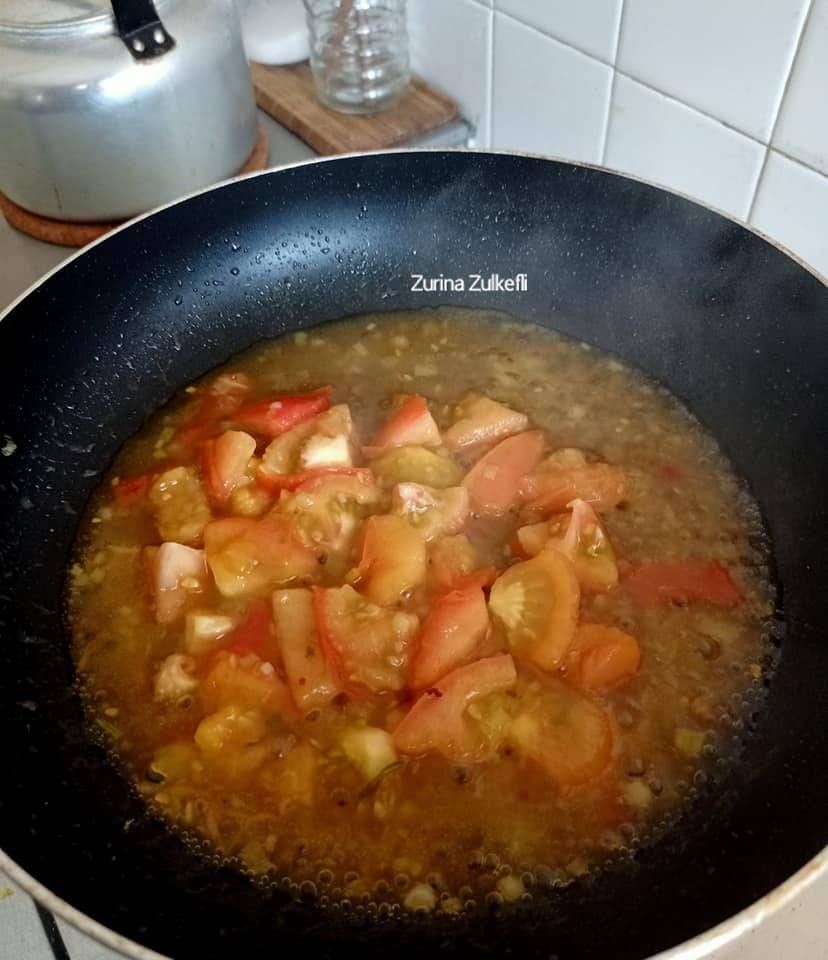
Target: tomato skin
<point>409,423</point>
<point>132,491</point>
<point>537,603</point>
<point>277,482</point>
<point>680,581</point>
<point>437,722</point>
<point>225,462</point>
<point>452,632</point>
<point>601,485</point>
<point>273,417</point>
<point>601,658</point>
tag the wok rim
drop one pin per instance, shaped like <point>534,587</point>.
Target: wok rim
<point>696,948</point>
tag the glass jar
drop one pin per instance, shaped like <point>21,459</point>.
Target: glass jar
<point>359,53</point>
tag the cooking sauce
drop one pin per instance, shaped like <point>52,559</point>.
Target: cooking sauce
<point>561,642</point>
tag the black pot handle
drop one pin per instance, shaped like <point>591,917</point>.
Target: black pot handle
<point>140,27</point>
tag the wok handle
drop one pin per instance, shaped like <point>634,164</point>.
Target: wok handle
<point>141,29</point>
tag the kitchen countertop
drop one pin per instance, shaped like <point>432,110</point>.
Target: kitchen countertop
<point>798,931</point>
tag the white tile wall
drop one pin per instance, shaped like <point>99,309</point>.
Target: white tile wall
<point>687,93</point>
<point>589,25</point>
<point>663,140</point>
<point>792,207</point>
<point>729,58</point>
<point>802,130</point>
<point>450,43</point>
<point>566,93</point>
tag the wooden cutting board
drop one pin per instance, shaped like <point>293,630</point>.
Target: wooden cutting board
<point>289,96</point>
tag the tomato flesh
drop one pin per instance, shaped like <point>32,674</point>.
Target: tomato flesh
<point>681,581</point>
<point>452,632</point>
<point>551,491</point>
<point>393,559</point>
<point>253,633</point>
<point>311,681</point>
<point>409,423</point>
<point>536,602</point>
<point>479,420</point>
<point>439,722</point>
<point>601,658</point>
<point>225,462</point>
<point>493,483</point>
<point>433,513</point>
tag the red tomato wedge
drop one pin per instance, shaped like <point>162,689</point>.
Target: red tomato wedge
<point>176,574</point>
<point>393,559</point>
<point>311,681</point>
<point>366,646</point>
<point>550,491</point>
<point>493,482</point>
<point>225,461</point>
<point>276,482</point>
<point>249,557</point>
<point>221,399</point>
<point>580,536</point>
<point>132,491</point>
<point>253,634</point>
<point>271,418</point>
<point>601,658</point>
<point>452,632</point>
<point>410,422</point>
<point>565,734</point>
<point>536,602</point>
<point>438,721</point>
<point>246,682</point>
<point>479,419</point>
<point>680,581</point>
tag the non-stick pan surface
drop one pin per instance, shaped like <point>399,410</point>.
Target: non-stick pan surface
<point>730,323</point>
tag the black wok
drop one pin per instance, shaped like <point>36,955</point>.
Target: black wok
<point>733,325</point>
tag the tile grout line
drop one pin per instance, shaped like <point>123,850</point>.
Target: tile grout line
<point>52,931</point>
<point>616,48</point>
<point>805,21</point>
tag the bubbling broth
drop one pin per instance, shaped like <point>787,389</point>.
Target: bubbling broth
<point>421,610</point>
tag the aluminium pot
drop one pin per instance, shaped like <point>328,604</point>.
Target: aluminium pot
<point>110,109</point>
<point>730,323</point>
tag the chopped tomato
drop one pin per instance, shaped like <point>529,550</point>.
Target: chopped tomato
<point>221,399</point>
<point>552,490</point>
<point>483,578</point>
<point>271,418</point>
<point>449,558</point>
<point>177,574</point>
<point>410,422</point>
<point>493,482</point>
<point>366,646</point>
<point>230,741</point>
<point>253,634</point>
<point>565,734</point>
<point>679,581</point>
<point>327,509</point>
<point>417,465</point>
<point>479,419</point>
<point>451,635</point>
<point>393,559</point>
<point>536,602</point>
<point>179,505</point>
<point>581,538</point>
<point>325,440</point>
<point>248,556</point>
<point>132,491</point>
<point>276,482</point>
<point>247,682</point>
<point>311,680</point>
<point>439,721</point>
<point>433,513</point>
<point>225,463</point>
<point>601,658</point>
